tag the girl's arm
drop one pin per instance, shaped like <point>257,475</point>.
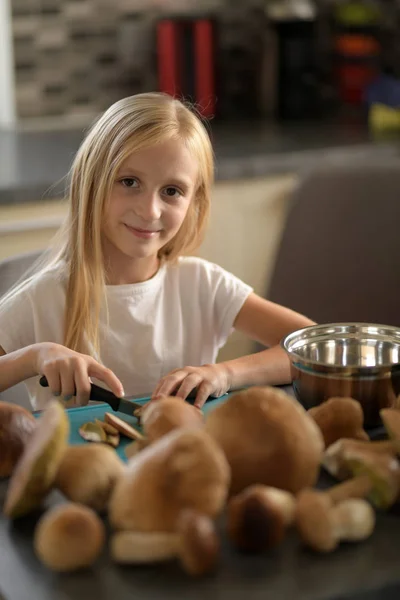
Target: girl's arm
<point>68,372</point>
<point>264,322</point>
<point>16,366</point>
<point>267,323</point>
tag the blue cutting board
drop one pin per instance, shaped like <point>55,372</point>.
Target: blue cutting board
<point>78,416</point>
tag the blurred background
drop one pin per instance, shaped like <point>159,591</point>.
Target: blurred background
<point>287,85</point>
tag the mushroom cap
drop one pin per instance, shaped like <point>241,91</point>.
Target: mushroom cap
<point>37,468</point>
<point>268,438</point>
<point>183,469</point>
<point>339,418</point>
<point>16,427</point>
<point>199,543</point>
<point>334,459</point>
<point>255,521</point>
<point>314,521</point>
<point>383,471</point>
<point>162,416</point>
<point>69,537</point>
<point>391,421</point>
<point>88,473</point>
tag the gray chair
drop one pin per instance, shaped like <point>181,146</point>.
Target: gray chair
<point>339,256</point>
<point>12,270</point>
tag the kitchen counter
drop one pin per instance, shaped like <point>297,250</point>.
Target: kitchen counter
<point>34,164</point>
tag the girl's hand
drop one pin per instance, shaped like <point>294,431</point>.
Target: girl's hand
<point>68,372</point>
<point>208,380</point>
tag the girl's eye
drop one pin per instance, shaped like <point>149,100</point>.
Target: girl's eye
<point>172,192</point>
<point>129,182</point>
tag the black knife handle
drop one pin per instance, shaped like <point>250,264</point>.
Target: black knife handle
<point>97,393</point>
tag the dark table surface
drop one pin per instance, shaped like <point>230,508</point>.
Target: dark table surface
<point>365,571</point>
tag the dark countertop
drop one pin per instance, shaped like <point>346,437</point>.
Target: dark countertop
<point>368,571</point>
<point>34,164</point>
<point>365,571</point>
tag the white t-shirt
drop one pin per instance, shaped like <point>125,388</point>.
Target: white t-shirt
<point>182,316</point>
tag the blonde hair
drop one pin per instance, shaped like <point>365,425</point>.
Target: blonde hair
<point>129,125</point>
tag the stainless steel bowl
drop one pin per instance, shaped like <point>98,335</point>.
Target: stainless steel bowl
<point>359,360</point>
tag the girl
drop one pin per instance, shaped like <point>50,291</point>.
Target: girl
<point>116,301</point>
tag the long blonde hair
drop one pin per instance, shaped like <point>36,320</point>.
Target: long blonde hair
<point>129,125</point>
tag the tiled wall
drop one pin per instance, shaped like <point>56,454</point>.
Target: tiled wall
<point>75,57</point>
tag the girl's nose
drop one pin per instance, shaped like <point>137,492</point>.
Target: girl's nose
<point>148,207</point>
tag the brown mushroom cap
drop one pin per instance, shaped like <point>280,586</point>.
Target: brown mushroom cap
<point>334,459</point>
<point>16,427</point>
<point>69,537</point>
<point>391,421</point>
<point>183,469</point>
<point>36,470</point>
<point>339,418</point>
<point>199,543</point>
<point>268,438</point>
<point>383,471</point>
<point>258,517</point>
<point>314,522</point>
<point>88,474</point>
<point>162,416</point>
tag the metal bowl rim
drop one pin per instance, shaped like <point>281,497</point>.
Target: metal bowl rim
<point>329,366</point>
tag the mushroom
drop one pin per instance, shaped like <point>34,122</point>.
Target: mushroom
<point>36,470</point>
<point>268,438</point>
<point>16,427</point>
<point>374,476</point>
<point>69,537</point>
<point>323,525</point>
<point>339,418</point>
<point>258,517</point>
<point>162,416</point>
<point>88,474</point>
<point>334,459</point>
<point>391,421</point>
<point>122,427</point>
<point>195,543</point>
<point>183,469</point>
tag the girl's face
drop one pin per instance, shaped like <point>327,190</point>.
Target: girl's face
<point>149,201</point>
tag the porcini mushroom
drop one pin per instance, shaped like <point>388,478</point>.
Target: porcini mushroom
<point>391,421</point>
<point>334,459</point>
<point>339,418</point>
<point>183,469</point>
<point>122,427</point>
<point>195,543</point>
<point>16,427</point>
<point>258,517</point>
<point>323,525</point>
<point>88,474</point>
<point>69,537</point>
<point>268,438</point>
<point>36,470</point>
<point>162,416</point>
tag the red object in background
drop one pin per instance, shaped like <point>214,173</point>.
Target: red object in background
<point>352,81</point>
<point>186,61</point>
<point>357,65</point>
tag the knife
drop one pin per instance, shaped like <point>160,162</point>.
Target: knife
<point>99,394</point>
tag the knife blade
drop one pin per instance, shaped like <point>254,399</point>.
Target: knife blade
<point>99,394</point>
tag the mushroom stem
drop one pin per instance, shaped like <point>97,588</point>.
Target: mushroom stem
<point>354,520</point>
<point>358,487</point>
<point>195,543</point>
